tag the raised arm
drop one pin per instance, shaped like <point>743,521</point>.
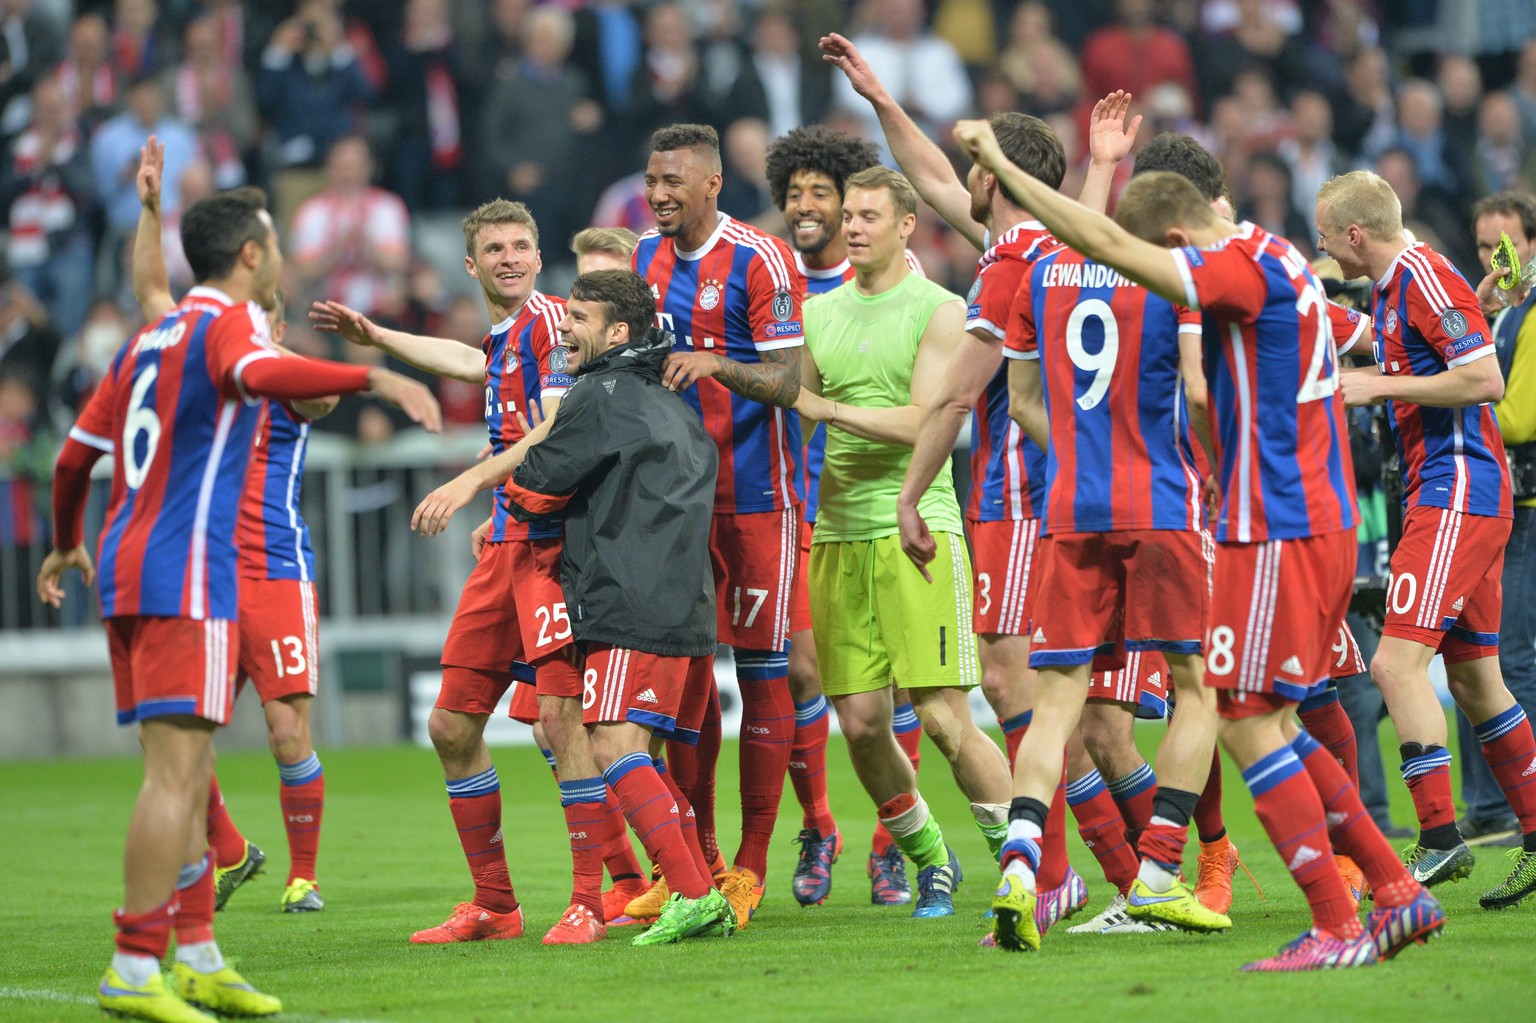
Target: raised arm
<point>1109,141</point>
<point>151,282</point>
<point>441,356</point>
<point>920,158</point>
<point>1089,232</point>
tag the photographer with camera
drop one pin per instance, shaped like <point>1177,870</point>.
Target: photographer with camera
<point>1489,819</point>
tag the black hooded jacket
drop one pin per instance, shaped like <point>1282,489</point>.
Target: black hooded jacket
<point>628,466</point>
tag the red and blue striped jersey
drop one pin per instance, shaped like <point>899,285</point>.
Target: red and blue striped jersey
<point>271,535</point>
<point>738,296</point>
<point>819,282</point>
<point>172,413</point>
<point>1109,360</point>
<point>1276,417</point>
<point>1007,468</point>
<point>1428,321</point>
<point>525,363</point>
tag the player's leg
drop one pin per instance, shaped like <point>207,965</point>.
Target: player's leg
<point>820,841</point>
<point>236,859</point>
<point>1102,830</point>
<point>1110,738</point>
<point>887,870</point>
<point>583,795</point>
<point>301,795</point>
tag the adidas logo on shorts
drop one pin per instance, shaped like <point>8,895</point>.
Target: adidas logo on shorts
<point>1038,637</point>
<point>648,696</point>
<point>1292,666</point>
<point>1156,679</point>
<point>1306,854</point>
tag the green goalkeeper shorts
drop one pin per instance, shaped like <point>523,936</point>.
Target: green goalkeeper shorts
<point>876,619</point>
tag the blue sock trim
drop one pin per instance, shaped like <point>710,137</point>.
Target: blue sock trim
<point>625,764</point>
<point>1084,788</point>
<point>1271,770</point>
<point>302,773</point>
<point>1500,724</point>
<point>811,711</point>
<point>482,784</point>
<point>1016,722</point>
<point>904,719</point>
<point>549,757</point>
<point>583,790</point>
<point>1329,694</point>
<point>1304,745</point>
<point>1429,762</point>
<point>1133,784</point>
<point>761,665</point>
<point>1027,848</point>
<point>191,873</point>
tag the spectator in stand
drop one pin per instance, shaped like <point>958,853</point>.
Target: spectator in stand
<point>1267,201</point>
<point>1135,54</point>
<point>1501,161</point>
<point>139,47</point>
<point>85,75</point>
<point>115,163</point>
<point>312,92</point>
<point>1261,36</point>
<point>532,125</point>
<point>242,28</point>
<point>665,89</point>
<point>1038,64</point>
<point>610,46</point>
<point>1364,117</point>
<point>1421,134</point>
<point>922,72</point>
<point>1426,214</point>
<point>1461,88</point>
<point>1309,151</point>
<point>427,150</point>
<point>82,361</point>
<point>1524,88</point>
<point>463,402</point>
<point>494,55</point>
<point>196,183</point>
<point>46,187</point>
<point>351,243</point>
<point>29,344</point>
<point>1340,34</point>
<point>778,84</point>
<point>30,47</point>
<point>745,194</point>
<point>26,466</point>
<point>216,100</point>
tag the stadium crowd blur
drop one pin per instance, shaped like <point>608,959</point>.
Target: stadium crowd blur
<point>374,125</point>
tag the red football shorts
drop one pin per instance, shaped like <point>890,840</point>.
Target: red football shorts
<point>1446,590</point>
<point>525,702</point>
<point>1347,662</point>
<point>619,684</point>
<point>698,687</point>
<point>1142,681</point>
<point>1004,555</point>
<point>512,608</point>
<point>1275,616</point>
<point>1145,588</point>
<point>754,558</point>
<point>800,605</point>
<point>163,666</point>
<point>279,638</point>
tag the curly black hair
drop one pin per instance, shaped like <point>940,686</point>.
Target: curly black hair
<point>816,148</point>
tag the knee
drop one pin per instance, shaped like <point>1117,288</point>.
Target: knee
<point>452,735</point>
<point>943,730</point>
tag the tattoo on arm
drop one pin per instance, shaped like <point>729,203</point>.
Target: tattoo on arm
<point>773,381</point>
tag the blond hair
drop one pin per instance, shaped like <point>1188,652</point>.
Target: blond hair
<point>497,211</point>
<point>615,241</point>
<point>903,195</point>
<point>1155,202</point>
<point>1364,199</point>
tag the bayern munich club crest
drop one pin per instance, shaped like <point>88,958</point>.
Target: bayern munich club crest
<point>709,294</point>
<point>1391,321</point>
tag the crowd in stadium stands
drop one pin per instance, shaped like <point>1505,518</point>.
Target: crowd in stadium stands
<point>358,117</point>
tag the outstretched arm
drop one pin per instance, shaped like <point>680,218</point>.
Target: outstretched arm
<point>1109,141</point>
<point>441,356</point>
<point>921,159</point>
<point>773,381</point>
<point>1089,232</point>
<point>437,509</point>
<point>151,282</point>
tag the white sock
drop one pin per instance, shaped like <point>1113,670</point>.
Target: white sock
<point>135,969</point>
<point>202,956</point>
<point>1157,877</point>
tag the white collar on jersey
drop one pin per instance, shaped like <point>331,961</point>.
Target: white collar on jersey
<point>1386,278</point>
<point>204,291</point>
<point>709,243</point>
<point>826,273</point>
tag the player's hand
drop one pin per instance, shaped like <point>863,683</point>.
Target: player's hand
<point>409,396</point>
<point>485,452</point>
<point>978,141</point>
<point>1492,298</point>
<point>532,421</point>
<point>437,508</point>
<point>477,538</point>
<point>335,318</point>
<point>1360,387</point>
<point>684,369</point>
<point>54,565</point>
<point>1109,138</point>
<point>916,542</point>
<point>814,407</point>
<point>1210,496</point>
<point>151,173</point>
<point>840,51</point>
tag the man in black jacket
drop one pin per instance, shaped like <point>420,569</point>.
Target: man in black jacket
<point>628,465</point>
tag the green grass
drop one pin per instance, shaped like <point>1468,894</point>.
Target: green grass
<point>390,864</point>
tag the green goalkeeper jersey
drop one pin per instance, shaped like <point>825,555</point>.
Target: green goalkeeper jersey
<point>865,348</point>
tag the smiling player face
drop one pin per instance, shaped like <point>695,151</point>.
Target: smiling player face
<point>876,235</point>
<point>813,210</point>
<point>585,331</point>
<point>506,263</point>
<point>681,185</point>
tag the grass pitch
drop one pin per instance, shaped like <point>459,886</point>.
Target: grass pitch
<point>390,864</point>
